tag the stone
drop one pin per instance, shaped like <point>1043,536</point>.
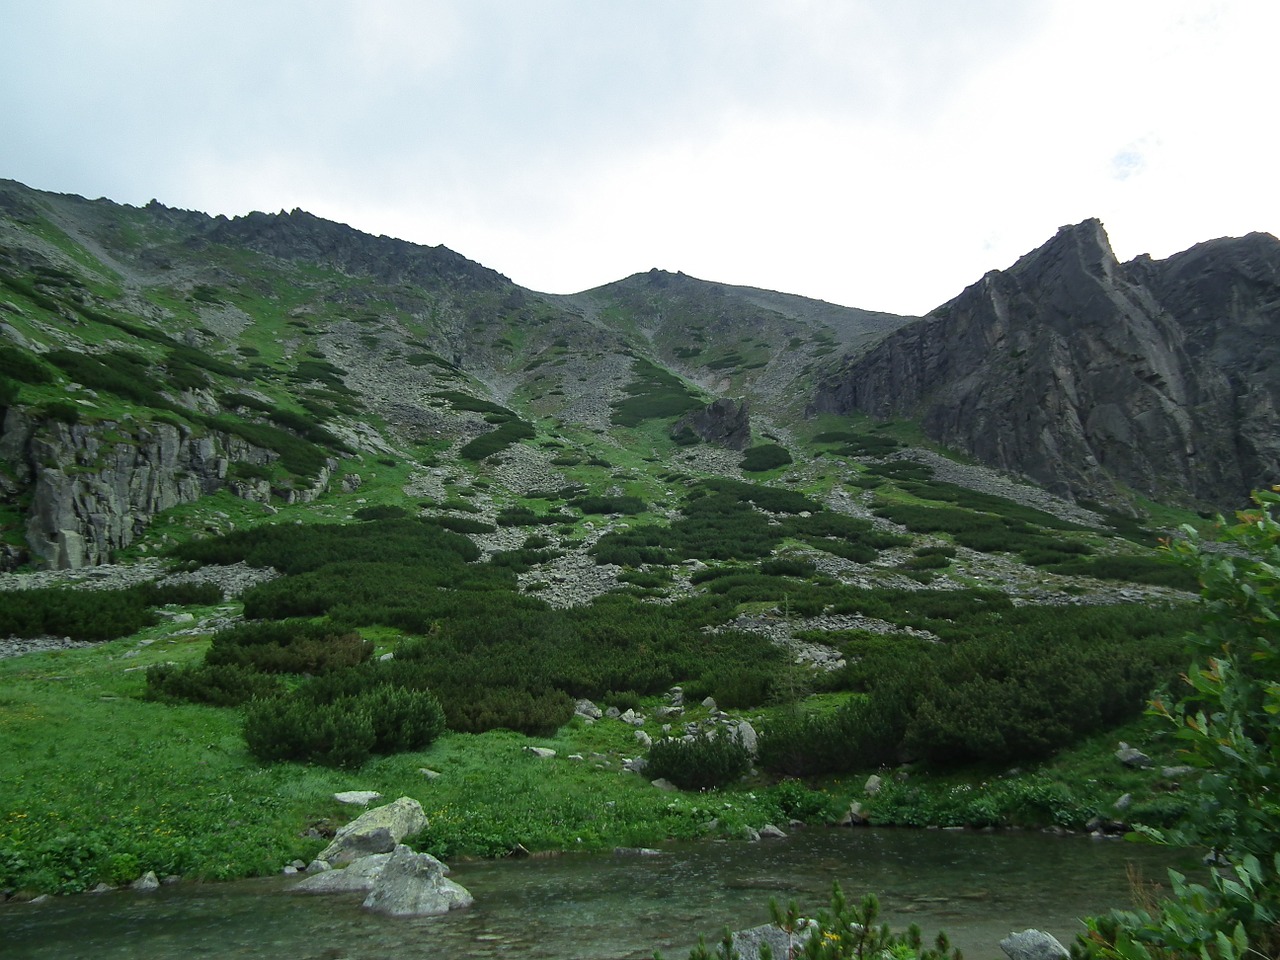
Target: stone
<point>855,816</point>
<point>662,783</point>
<point>319,866</point>
<point>542,753</point>
<point>359,875</point>
<point>1177,772</point>
<point>771,832</point>
<point>1124,802</point>
<point>414,885</point>
<point>643,738</point>
<point>709,703</point>
<point>747,942</point>
<point>376,831</point>
<point>636,852</point>
<point>1132,756</point>
<point>1033,945</point>
<point>148,881</point>
<point>872,786</point>
<point>745,734</point>
<point>631,717</point>
<point>585,708</point>
<point>429,773</point>
<point>358,798</point>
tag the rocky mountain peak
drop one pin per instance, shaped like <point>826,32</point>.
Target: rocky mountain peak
<point>1081,373</point>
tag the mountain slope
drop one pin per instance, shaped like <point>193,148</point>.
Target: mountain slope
<point>1083,373</point>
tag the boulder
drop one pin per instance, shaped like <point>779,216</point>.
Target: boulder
<point>1132,756</point>
<point>359,875</point>
<point>542,753</point>
<point>414,885</point>
<point>872,786</point>
<point>855,817</point>
<point>1033,945</point>
<point>377,831</point>
<point>585,708</point>
<point>771,832</point>
<point>747,943</point>
<point>745,734</point>
<point>357,798</point>
<point>146,882</point>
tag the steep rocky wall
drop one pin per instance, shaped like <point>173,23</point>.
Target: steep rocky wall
<point>1079,371</point>
<point>94,489</point>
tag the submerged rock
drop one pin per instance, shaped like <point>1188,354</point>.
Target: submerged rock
<point>360,875</point>
<point>414,885</point>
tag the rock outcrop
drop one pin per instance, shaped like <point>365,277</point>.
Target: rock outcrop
<point>725,422</point>
<point>94,489</point>
<point>1080,372</point>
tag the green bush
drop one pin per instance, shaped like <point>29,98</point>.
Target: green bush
<point>495,441</point>
<point>381,511</point>
<point>855,736</point>
<point>23,366</point>
<point>535,713</point>
<point>339,734</point>
<point>704,762</point>
<point>289,646</point>
<point>345,731</point>
<point>601,505</point>
<point>764,457</point>
<point>64,411</point>
<point>653,394</point>
<point>220,685</point>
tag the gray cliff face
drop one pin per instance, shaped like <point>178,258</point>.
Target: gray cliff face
<point>91,495</point>
<point>1079,372</point>
<point>724,422</point>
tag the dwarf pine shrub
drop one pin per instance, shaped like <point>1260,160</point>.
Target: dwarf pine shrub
<point>705,762</point>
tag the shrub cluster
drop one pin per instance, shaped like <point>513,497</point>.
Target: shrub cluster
<point>345,731</point>
<point>220,685</point>
<point>704,762</point>
<point>287,646</point>
<point>653,394</point>
<point>93,615</point>
<point>1015,684</point>
<point>764,457</point>
<point>495,441</point>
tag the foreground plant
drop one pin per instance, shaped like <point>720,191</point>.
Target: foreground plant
<point>1228,724</point>
<point>845,932</point>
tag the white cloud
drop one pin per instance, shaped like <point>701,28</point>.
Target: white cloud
<point>873,154</point>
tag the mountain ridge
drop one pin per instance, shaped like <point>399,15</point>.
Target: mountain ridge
<point>278,346</point>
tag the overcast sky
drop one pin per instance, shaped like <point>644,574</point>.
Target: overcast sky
<point>875,153</point>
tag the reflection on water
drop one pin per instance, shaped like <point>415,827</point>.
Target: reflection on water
<point>977,887</point>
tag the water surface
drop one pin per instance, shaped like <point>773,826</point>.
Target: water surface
<point>978,887</point>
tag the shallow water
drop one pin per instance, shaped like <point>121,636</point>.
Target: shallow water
<point>978,887</point>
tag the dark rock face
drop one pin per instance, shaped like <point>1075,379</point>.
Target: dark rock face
<point>725,422</point>
<point>1079,371</point>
